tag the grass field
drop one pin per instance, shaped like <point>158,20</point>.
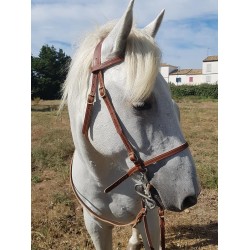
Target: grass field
<point>56,216</point>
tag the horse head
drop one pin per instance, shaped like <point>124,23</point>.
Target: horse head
<point>143,107</point>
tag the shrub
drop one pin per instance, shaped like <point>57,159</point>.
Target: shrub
<point>202,90</point>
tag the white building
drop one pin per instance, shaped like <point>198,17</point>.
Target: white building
<point>210,69</point>
<point>208,73</point>
<point>186,76</point>
<point>166,70</point>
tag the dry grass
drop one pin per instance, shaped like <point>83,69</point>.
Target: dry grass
<point>57,221</point>
<point>199,120</point>
<point>45,102</point>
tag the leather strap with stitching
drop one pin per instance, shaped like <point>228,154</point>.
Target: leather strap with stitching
<point>97,71</point>
<point>147,163</point>
<point>107,64</point>
<point>116,121</point>
<point>91,96</point>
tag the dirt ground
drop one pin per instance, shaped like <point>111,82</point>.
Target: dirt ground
<point>57,221</point>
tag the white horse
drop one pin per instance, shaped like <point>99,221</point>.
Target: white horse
<point>147,117</point>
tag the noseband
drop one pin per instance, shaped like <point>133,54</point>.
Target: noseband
<point>139,165</point>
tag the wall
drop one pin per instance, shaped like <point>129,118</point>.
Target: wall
<point>166,70</point>
<point>210,72</point>
<point>197,79</point>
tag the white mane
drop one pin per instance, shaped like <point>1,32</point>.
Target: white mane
<point>142,61</point>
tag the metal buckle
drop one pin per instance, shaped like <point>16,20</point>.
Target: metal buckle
<point>91,99</point>
<point>102,91</point>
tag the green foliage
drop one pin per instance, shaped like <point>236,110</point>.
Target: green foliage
<point>202,91</point>
<point>48,72</point>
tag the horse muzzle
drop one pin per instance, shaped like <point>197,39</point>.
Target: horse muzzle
<point>187,202</point>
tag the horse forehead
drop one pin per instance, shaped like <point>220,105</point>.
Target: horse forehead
<point>115,76</point>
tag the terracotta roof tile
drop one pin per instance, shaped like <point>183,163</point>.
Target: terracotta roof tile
<point>211,59</point>
<point>187,72</point>
<point>195,72</point>
<point>181,72</point>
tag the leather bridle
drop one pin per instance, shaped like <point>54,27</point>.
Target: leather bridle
<point>139,165</point>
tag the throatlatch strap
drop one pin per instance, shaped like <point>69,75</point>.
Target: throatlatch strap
<point>91,96</point>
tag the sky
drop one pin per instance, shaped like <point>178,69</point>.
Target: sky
<point>188,33</point>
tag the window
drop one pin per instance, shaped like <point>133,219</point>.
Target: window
<point>209,67</point>
<point>191,79</point>
<point>208,78</point>
<point>178,79</point>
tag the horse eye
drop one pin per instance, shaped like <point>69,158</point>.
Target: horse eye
<point>146,105</point>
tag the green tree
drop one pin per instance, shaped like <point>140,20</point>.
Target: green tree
<point>48,72</point>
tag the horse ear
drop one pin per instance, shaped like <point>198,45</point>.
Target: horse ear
<point>115,42</point>
<point>153,27</point>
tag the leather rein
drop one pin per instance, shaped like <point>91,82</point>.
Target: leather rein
<point>139,165</point>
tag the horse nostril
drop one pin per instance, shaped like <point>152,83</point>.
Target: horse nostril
<point>189,202</point>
